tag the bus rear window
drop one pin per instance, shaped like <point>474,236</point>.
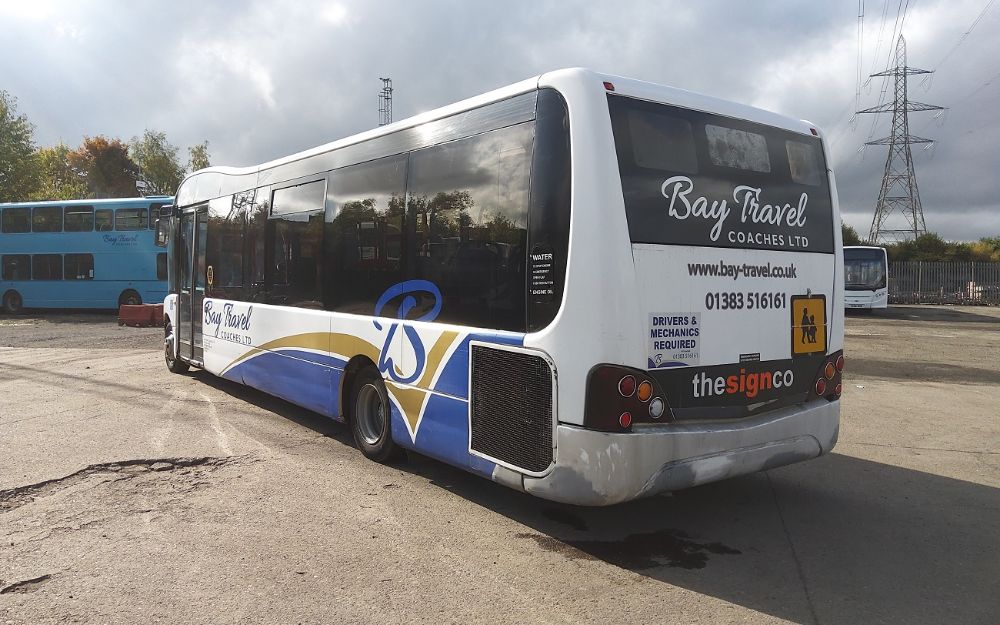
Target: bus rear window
<point>694,178</point>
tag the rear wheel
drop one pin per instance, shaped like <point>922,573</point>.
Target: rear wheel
<point>370,417</point>
<point>174,364</point>
<point>12,302</point>
<point>129,298</point>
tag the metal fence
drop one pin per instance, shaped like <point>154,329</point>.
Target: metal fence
<point>918,282</point>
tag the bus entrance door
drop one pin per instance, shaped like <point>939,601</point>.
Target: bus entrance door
<point>191,250</point>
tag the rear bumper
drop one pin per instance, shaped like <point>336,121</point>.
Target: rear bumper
<point>598,468</point>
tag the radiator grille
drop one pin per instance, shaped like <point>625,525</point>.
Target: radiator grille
<point>512,407</point>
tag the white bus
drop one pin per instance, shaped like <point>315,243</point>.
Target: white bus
<point>866,271</point>
<point>585,287</point>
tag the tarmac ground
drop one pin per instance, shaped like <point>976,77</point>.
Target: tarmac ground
<point>132,495</point>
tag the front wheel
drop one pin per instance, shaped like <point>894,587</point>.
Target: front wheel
<point>370,417</point>
<point>12,302</point>
<point>174,364</point>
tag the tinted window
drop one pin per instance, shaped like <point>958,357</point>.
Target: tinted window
<point>225,245</point>
<point>154,213</point>
<point>46,219</point>
<point>299,199</point>
<point>16,267</point>
<point>254,245</point>
<point>104,220</point>
<point>467,210</point>
<point>548,217</point>
<point>296,242</point>
<point>16,219</point>
<point>365,233</point>
<point>751,187</point>
<point>79,218</point>
<point>652,131</point>
<point>46,267</point>
<point>804,163</point>
<point>78,266</point>
<point>161,266</point>
<point>739,149</point>
<point>130,219</point>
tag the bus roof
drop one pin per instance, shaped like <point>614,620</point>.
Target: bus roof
<point>105,202</point>
<point>564,80</point>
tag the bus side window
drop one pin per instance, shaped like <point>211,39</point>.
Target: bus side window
<point>104,220</point>
<point>78,218</point>
<point>16,267</point>
<point>226,217</point>
<point>47,219</point>
<point>365,205</point>
<point>78,267</point>
<point>16,219</point>
<point>467,213</point>
<point>295,236</point>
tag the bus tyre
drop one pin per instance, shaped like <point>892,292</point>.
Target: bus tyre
<point>129,298</point>
<point>12,302</point>
<point>370,417</point>
<point>175,365</point>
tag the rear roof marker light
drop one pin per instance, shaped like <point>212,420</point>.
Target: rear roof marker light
<point>609,86</point>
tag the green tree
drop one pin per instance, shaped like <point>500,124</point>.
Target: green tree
<point>849,234</point>
<point>198,157</point>
<point>18,172</point>
<point>157,161</point>
<point>56,178</point>
<point>106,166</point>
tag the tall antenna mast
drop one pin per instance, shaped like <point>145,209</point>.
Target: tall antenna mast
<point>385,102</point>
<point>899,193</point>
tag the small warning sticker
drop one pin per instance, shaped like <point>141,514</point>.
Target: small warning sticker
<point>673,339</point>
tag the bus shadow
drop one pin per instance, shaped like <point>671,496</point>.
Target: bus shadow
<point>834,540</point>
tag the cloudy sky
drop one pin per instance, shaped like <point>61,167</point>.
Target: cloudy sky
<point>260,79</point>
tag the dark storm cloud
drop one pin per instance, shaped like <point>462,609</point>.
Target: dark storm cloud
<point>261,79</point>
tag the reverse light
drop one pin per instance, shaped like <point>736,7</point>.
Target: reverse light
<point>645,391</point>
<point>656,407</point>
<point>840,362</point>
<point>625,420</point>
<point>626,386</point>
<point>820,386</point>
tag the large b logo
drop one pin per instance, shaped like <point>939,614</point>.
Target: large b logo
<point>404,292</point>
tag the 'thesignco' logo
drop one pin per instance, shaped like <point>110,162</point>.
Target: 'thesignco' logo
<point>680,189</point>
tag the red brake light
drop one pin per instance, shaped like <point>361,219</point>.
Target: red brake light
<point>820,386</point>
<point>837,389</point>
<point>626,386</point>
<point>840,362</point>
<point>625,420</point>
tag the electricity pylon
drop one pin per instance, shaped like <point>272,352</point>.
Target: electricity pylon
<point>899,193</point>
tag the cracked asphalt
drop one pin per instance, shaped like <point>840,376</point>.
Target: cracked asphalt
<point>130,495</point>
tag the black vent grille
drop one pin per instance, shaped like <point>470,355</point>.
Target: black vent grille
<point>512,407</point>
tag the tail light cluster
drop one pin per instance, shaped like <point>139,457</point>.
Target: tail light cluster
<point>619,397</point>
<point>829,378</point>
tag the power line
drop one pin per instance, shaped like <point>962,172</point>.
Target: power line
<point>927,80</point>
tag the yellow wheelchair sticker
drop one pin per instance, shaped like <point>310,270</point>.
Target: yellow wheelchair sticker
<point>808,324</point>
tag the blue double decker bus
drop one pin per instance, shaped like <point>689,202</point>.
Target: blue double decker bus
<point>81,254</point>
